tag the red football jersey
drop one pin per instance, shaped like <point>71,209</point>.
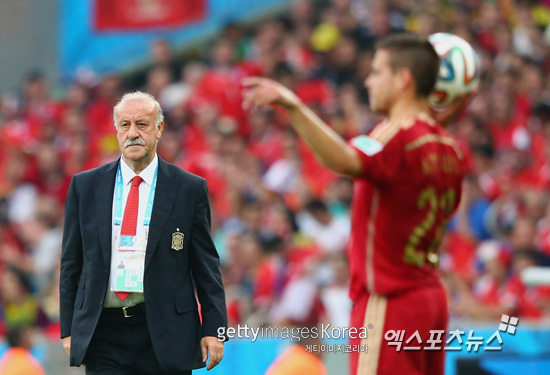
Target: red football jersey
<point>409,186</point>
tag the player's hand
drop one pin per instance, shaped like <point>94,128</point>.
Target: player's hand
<point>262,92</point>
<point>444,116</point>
<point>213,348</point>
<point>67,345</point>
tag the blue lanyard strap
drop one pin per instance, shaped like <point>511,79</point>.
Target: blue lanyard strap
<point>118,198</point>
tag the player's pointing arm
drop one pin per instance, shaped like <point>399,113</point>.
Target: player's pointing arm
<point>329,147</point>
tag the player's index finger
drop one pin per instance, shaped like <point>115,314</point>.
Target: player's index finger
<point>252,81</point>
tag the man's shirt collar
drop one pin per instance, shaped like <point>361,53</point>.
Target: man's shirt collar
<point>147,174</point>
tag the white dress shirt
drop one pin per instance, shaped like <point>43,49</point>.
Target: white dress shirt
<point>148,174</point>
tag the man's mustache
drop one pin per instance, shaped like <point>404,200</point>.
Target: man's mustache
<point>136,141</point>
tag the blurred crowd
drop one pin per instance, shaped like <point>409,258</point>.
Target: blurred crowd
<point>280,220</point>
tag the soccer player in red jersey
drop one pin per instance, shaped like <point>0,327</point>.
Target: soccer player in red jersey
<point>408,173</point>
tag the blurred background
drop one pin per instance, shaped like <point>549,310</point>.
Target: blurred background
<point>280,220</point>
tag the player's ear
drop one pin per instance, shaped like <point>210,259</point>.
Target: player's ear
<point>405,78</point>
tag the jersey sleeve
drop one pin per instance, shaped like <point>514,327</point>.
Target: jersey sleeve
<point>380,158</point>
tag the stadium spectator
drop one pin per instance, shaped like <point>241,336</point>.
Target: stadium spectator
<point>329,233</point>
<point>17,360</point>
<point>19,306</point>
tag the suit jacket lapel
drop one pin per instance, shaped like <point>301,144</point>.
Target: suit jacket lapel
<point>162,207</point>
<point>104,191</point>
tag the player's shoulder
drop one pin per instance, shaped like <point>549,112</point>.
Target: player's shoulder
<point>406,134</point>
<point>386,131</point>
<point>389,130</point>
<point>423,131</point>
<point>385,136</point>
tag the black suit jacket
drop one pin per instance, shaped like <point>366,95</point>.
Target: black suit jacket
<point>181,201</point>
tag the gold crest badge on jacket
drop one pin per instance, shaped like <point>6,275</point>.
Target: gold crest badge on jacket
<point>177,240</point>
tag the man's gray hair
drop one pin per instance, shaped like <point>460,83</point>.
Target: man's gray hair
<point>139,95</point>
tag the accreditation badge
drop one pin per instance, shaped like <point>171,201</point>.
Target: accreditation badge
<point>130,264</point>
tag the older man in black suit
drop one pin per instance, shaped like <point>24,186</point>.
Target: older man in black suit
<point>155,219</point>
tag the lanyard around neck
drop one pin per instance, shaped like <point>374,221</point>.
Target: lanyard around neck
<point>118,198</point>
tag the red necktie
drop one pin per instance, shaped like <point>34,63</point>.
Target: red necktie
<point>129,221</point>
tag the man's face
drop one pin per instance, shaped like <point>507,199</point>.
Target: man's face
<point>136,131</point>
<point>381,83</point>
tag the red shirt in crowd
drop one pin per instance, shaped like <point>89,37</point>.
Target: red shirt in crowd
<point>222,89</point>
<point>524,300</point>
